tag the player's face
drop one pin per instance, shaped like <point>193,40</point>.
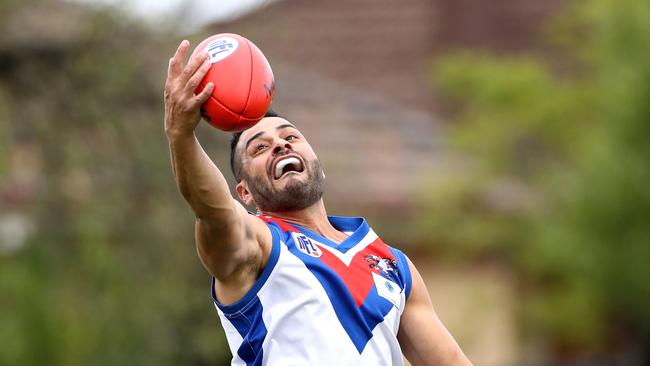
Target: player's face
<point>280,169</point>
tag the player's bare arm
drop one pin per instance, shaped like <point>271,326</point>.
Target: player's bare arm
<point>422,336</point>
<point>230,242</point>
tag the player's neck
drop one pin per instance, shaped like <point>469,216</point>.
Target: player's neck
<point>313,218</point>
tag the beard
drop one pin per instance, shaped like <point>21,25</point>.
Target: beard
<point>296,195</point>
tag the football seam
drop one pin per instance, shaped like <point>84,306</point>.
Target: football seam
<point>226,108</point>
<point>250,82</point>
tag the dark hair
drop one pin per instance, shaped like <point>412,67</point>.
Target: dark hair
<point>235,164</point>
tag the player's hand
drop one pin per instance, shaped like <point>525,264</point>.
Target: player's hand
<point>182,106</point>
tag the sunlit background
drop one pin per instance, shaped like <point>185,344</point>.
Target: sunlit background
<point>502,145</point>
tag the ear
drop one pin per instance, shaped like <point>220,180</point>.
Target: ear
<point>244,194</point>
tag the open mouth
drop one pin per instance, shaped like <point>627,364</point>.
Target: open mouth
<point>286,165</point>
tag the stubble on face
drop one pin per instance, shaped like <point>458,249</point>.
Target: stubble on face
<point>295,195</point>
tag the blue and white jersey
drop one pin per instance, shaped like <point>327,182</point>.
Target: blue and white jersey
<point>321,303</point>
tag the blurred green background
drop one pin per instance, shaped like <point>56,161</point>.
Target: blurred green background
<point>528,189</point>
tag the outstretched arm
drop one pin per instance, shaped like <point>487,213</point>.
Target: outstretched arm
<point>422,336</point>
<point>227,237</point>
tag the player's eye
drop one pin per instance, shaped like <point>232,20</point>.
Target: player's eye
<point>291,137</point>
<point>259,147</point>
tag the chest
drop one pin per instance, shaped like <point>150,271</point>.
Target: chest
<point>364,272</point>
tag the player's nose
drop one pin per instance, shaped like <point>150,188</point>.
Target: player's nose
<point>281,145</point>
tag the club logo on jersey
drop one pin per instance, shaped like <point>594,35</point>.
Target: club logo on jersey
<point>386,266</point>
<point>389,286</point>
<point>305,245</point>
<point>387,289</point>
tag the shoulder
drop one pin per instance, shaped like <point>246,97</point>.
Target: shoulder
<point>252,271</point>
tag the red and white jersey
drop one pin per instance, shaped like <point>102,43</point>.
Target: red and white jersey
<point>321,303</point>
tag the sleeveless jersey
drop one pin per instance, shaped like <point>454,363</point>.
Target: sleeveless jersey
<point>321,303</point>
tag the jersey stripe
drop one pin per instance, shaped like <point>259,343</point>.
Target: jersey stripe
<point>405,270</point>
<point>250,326</point>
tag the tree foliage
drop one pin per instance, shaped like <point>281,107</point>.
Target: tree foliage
<point>109,275</point>
<point>556,180</point>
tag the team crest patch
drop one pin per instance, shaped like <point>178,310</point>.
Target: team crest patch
<point>386,266</point>
<point>306,245</point>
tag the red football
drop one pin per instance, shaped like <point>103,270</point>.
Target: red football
<point>243,82</point>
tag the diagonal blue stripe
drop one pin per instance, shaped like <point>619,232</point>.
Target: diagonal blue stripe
<point>250,326</point>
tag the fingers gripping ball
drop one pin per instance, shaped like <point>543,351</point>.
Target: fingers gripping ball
<point>243,82</point>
